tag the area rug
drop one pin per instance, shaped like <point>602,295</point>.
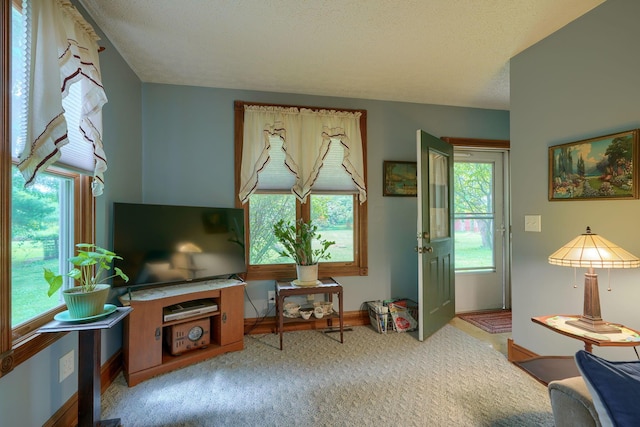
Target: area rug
<point>494,321</point>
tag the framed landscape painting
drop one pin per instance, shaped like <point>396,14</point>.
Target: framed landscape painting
<point>400,178</point>
<point>597,168</point>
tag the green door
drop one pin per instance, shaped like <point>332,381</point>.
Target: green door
<point>436,278</point>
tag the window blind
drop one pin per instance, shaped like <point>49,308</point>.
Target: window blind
<point>77,154</point>
<point>63,92</point>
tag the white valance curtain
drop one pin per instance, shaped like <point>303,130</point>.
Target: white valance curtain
<point>64,87</point>
<point>306,137</point>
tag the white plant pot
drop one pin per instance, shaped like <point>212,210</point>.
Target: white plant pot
<point>307,274</point>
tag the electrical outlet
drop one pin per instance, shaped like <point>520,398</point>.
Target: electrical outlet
<point>66,365</point>
<point>271,297</point>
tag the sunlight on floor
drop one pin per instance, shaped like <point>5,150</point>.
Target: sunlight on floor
<point>498,341</point>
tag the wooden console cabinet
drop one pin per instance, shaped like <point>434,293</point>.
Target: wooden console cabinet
<point>145,350</point>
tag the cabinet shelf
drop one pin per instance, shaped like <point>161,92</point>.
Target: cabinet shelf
<point>190,319</point>
<point>310,319</point>
<point>145,351</point>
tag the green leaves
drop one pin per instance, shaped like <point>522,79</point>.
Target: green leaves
<point>297,239</point>
<point>54,281</point>
<point>90,258</point>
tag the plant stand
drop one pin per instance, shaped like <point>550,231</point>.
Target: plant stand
<point>89,348</point>
<point>328,286</point>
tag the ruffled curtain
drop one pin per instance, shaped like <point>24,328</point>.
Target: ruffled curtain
<point>63,52</point>
<point>306,136</point>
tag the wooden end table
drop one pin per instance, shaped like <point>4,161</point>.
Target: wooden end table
<point>558,323</point>
<point>550,368</point>
<point>327,286</point>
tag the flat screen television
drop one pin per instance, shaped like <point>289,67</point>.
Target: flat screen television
<point>165,244</point>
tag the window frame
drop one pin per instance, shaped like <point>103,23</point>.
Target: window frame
<point>19,344</point>
<point>359,266</point>
<point>475,144</point>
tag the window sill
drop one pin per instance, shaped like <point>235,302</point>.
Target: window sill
<point>27,347</point>
<point>271,272</point>
<point>27,342</point>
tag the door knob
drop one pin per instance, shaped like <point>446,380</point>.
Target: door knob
<point>423,249</point>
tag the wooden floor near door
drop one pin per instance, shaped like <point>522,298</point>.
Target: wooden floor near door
<point>498,341</point>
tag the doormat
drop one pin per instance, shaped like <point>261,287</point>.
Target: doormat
<point>494,322</point>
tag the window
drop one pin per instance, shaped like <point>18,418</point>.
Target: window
<point>332,213</point>
<point>46,219</point>
<point>474,215</point>
<point>41,236</point>
<point>335,209</point>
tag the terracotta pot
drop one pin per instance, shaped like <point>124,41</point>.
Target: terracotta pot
<point>86,304</point>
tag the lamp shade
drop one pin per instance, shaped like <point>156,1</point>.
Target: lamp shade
<point>189,248</point>
<point>593,251</point>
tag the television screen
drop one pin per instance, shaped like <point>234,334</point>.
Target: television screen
<point>163,244</point>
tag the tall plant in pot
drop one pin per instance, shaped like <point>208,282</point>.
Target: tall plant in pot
<point>92,268</point>
<point>297,242</point>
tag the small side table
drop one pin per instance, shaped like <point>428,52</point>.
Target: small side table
<point>550,368</point>
<point>558,323</point>
<point>328,286</point>
<point>89,336</point>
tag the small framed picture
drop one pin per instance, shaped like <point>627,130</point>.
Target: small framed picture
<point>400,178</point>
<point>598,168</point>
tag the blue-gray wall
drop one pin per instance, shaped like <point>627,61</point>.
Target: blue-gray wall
<point>188,159</point>
<point>174,144</point>
<point>578,83</point>
<point>31,393</point>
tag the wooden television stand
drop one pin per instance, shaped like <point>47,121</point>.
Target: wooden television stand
<point>145,349</point>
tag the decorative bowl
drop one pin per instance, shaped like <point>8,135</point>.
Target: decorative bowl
<point>306,313</point>
<point>291,309</point>
<point>318,312</point>
<point>327,306</point>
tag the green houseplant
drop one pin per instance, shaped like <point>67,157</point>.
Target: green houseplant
<point>297,241</point>
<point>92,267</point>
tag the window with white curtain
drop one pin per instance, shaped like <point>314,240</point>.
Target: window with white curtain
<point>52,213</point>
<point>61,118</point>
<point>302,163</point>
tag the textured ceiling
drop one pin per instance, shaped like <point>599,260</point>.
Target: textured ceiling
<point>447,52</point>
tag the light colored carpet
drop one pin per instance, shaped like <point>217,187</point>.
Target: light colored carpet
<point>451,379</point>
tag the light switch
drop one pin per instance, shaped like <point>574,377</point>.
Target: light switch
<point>532,223</point>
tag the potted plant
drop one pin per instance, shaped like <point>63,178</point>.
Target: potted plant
<point>92,267</point>
<point>297,241</point>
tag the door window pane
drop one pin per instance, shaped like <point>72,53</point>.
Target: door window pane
<point>474,215</point>
<point>438,195</point>
<point>333,214</point>
<point>474,244</point>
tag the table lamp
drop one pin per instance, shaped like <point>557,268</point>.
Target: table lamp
<point>592,251</point>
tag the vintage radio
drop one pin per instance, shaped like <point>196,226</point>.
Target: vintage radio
<point>188,336</point>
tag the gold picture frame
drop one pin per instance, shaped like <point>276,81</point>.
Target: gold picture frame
<point>604,167</point>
